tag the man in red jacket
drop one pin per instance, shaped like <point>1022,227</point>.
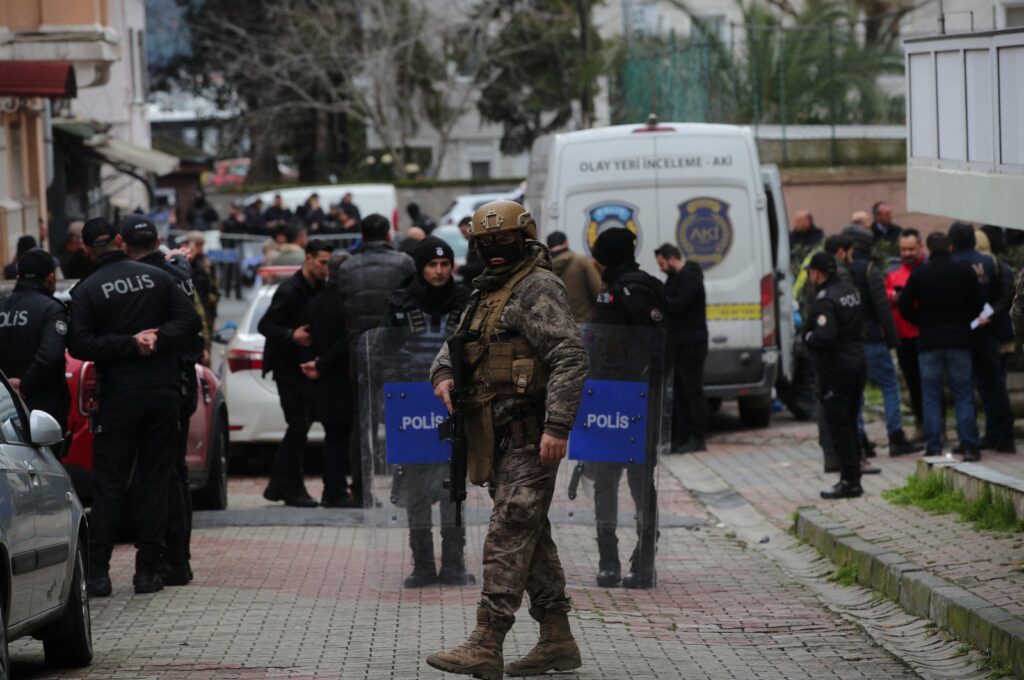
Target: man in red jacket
<point>912,256</point>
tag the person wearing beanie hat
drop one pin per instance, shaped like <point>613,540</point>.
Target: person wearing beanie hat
<point>631,298</point>
<point>33,333</point>
<point>428,305</point>
<point>834,333</point>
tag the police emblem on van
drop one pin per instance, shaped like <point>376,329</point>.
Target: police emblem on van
<point>610,215</point>
<point>704,231</point>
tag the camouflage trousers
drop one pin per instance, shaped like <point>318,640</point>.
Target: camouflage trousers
<point>519,554</point>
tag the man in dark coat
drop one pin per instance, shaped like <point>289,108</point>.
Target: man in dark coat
<point>686,300</point>
<point>942,297</point>
<point>366,281</point>
<point>288,346</point>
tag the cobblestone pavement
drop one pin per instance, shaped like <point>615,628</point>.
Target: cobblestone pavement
<point>779,478</point>
<point>314,594</point>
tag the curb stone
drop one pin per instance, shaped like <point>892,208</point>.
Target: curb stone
<point>920,592</point>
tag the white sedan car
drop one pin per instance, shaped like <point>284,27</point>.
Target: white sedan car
<point>255,415</point>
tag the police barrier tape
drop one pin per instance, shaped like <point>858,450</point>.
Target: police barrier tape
<point>611,424</point>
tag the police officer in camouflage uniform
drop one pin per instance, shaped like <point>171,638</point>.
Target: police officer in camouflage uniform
<point>428,307</point>
<point>630,297</point>
<point>521,403</point>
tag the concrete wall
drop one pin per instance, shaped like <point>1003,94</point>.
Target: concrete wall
<point>832,197</point>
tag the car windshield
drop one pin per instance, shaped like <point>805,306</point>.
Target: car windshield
<point>259,309</point>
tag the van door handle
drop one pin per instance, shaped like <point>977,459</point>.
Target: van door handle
<point>719,339</point>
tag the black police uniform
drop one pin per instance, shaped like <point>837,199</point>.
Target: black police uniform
<point>138,396</point>
<point>630,298</point>
<point>33,331</point>
<point>179,506</point>
<point>835,337</point>
<point>282,357</point>
<point>430,315</point>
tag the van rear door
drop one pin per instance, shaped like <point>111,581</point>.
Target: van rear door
<point>778,224</point>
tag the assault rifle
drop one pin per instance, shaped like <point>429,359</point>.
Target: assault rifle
<point>454,428</point>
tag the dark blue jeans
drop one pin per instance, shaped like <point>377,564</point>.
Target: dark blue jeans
<point>955,365</point>
<point>990,380</point>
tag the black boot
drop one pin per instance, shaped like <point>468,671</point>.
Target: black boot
<point>97,584</point>
<point>641,566</point>
<point>609,571</point>
<point>146,579</point>
<point>424,571</point>
<point>453,561</point>
<point>866,446</point>
<point>899,445</point>
<point>693,444</point>
<point>843,489</point>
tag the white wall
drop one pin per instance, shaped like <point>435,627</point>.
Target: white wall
<point>121,102</point>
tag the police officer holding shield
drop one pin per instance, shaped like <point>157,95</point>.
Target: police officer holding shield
<point>630,298</point>
<point>33,332</point>
<point>428,306</point>
<point>132,320</point>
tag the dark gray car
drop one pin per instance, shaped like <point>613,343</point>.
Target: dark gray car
<point>43,540</point>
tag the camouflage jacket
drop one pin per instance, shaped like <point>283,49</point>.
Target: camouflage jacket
<point>538,309</point>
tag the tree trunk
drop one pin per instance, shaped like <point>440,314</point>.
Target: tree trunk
<point>586,95</point>
<point>263,156</point>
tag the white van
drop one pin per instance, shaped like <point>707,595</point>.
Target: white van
<point>700,187</point>
<point>369,198</point>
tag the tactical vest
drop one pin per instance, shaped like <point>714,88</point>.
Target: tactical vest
<point>506,367</point>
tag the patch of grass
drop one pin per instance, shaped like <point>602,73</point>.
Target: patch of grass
<point>990,512</point>
<point>963,650</point>
<point>996,669</point>
<point>845,575</point>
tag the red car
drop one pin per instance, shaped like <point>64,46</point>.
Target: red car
<point>207,455</point>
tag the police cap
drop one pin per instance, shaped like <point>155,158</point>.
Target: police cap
<point>822,262</point>
<point>98,232</point>
<point>138,231</point>
<point>35,265</point>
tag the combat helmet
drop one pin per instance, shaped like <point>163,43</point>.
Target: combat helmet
<point>498,216</point>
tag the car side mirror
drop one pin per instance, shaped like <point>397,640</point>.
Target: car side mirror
<point>44,430</point>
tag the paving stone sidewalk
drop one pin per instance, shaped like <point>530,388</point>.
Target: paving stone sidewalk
<point>323,602</point>
<point>780,477</point>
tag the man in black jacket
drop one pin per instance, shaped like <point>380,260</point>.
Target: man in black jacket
<point>684,293</point>
<point>428,305</point>
<point>835,337</point>
<point>942,297</point>
<point>143,245</point>
<point>366,281</point>
<point>630,298</point>
<point>33,332</point>
<point>132,320</point>
<point>331,388</point>
<point>987,369</point>
<point>288,346</point>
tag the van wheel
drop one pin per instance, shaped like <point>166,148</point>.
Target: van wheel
<point>71,644</point>
<point>756,411</point>
<point>214,496</point>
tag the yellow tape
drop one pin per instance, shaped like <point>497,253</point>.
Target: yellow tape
<point>739,311</point>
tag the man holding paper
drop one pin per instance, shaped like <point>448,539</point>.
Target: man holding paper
<point>988,372</point>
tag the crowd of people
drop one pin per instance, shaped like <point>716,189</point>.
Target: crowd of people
<point>943,306</point>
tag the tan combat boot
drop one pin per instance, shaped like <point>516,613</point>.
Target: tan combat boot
<point>480,655</point>
<point>555,651</point>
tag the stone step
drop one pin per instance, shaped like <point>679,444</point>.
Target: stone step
<point>919,591</point>
<point>971,479</point>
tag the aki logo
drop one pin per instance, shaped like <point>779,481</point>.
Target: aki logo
<point>704,231</point>
<point>610,215</point>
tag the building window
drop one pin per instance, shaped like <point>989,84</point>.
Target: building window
<point>1015,16</point>
<point>480,169</point>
